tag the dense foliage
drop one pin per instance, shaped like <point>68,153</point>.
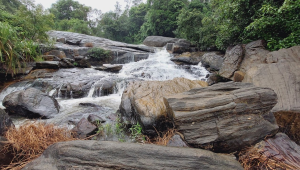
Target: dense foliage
<point>22,26</point>
<point>206,23</point>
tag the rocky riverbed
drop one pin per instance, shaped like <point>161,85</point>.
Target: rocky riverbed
<point>160,90</point>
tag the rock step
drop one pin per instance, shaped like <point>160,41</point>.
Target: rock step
<point>115,155</point>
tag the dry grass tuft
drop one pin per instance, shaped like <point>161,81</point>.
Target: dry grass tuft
<point>162,139</point>
<point>254,159</point>
<point>30,140</point>
<point>89,44</point>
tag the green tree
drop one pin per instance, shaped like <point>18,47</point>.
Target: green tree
<point>278,23</point>
<point>161,17</point>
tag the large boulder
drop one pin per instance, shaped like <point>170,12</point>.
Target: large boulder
<point>232,60</point>
<point>160,41</point>
<point>143,102</point>
<point>225,117</point>
<point>212,61</point>
<point>31,103</point>
<point>5,122</point>
<point>114,155</point>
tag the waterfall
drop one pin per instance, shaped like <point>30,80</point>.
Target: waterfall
<point>157,67</point>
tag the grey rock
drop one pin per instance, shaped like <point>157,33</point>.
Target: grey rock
<point>232,61</point>
<point>212,61</point>
<point>5,122</point>
<point>57,53</point>
<point>160,41</point>
<point>48,65</point>
<point>225,117</point>
<point>84,128</point>
<point>78,48</point>
<point>95,120</point>
<point>110,68</point>
<point>31,103</point>
<point>177,141</point>
<point>113,155</point>
<point>188,58</point>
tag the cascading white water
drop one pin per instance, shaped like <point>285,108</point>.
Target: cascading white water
<point>157,67</point>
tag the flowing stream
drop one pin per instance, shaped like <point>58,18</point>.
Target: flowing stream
<point>157,67</point>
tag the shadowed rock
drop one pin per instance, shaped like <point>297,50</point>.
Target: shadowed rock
<point>114,155</point>
<point>31,103</point>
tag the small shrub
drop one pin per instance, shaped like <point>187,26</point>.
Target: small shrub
<point>98,53</point>
<point>89,44</point>
<point>30,140</point>
<point>162,139</point>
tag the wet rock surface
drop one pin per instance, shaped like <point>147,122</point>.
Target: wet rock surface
<point>31,103</point>
<point>143,102</point>
<point>76,46</point>
<point>160,41</point>
<point>5,122</point>
<point>115,155</point>
<point>225,117</point>
<point>84,128</point>
<point>110,68</point>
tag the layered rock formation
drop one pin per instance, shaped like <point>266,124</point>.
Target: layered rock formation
<point>225,117</point>
<point>278,70</point>
<point>113,155</point>
<point>75,45</point>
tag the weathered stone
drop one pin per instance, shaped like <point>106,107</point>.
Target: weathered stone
<point>213,61</point>
<point>143,102</point>
<point>180,47</point>
<point>110,68</point>
<point>5,122</point>
<point>48,65</point>
<point>159,41</point>
<point>95,120</point>
<point>278,152</point>
<point>40,73</point>
<point>50,58</point>
<point>78,48</point>
<point>177,141</point>
<point>188,58</point>
<point>280,71</point>
<point>232,60</point>
<point>31,103</point>
<point>214,78</point>
<point>225,117</point>
<point>57,53</point>
<point>255,54</point>
<point>61,40</point>
<point>114,155</point>
<point>238,76</point>
<point>84,128</point>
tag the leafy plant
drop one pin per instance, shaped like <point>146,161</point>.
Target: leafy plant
<point>98,53</point>
<point>137,132</point>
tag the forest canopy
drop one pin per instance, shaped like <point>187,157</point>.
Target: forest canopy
<point>206,23</point>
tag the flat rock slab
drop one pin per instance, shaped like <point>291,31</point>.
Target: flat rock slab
<point>160,41</point>
<point>114,155</point>
<point>225,117</point>
<point>115,68</point>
